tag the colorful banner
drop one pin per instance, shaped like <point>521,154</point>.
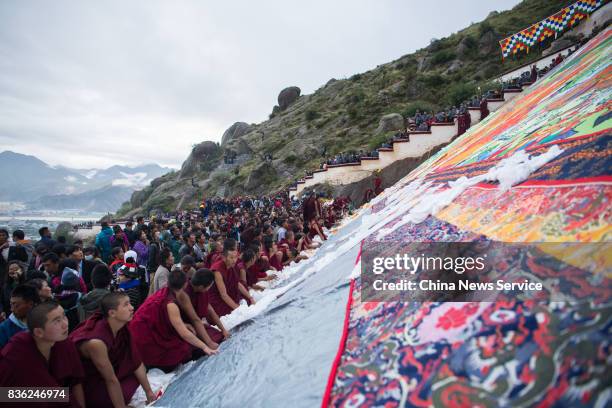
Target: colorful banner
<point>510,351</point>
<point>551,26</point>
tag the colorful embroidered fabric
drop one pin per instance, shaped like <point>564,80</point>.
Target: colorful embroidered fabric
<point>510,352</point>
<point>565,18</point>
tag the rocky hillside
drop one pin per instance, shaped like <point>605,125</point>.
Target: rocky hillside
<point>344,114</point>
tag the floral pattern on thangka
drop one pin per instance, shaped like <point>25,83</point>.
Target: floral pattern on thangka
<point>575,213</point>
<point>587,157</point>
<point>503,353</point>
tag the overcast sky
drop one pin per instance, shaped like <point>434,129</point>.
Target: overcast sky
<point>96,83</point>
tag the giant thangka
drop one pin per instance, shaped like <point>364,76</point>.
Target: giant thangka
<point>537,171</point>
<point>562,20</point>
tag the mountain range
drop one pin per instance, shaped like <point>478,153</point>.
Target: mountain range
<point>29,180</point>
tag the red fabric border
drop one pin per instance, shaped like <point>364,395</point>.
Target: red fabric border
<point>341,347</point>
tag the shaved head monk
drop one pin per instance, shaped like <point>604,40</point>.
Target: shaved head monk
<point>112,364</point>
<point>225,295</point>
<point>43,356</point>
<point>162,338</point>
<point>197,290</point>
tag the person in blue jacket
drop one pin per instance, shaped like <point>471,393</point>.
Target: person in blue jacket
<point>23,299</point>
<point>103,241</point>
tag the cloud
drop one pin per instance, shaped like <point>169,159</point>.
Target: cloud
<point>132,180</point>
<point>92,84</point>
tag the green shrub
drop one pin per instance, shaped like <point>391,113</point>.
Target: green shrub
<point>290,159</point>
<point>412,107</point>
<point>432,80</point>
<point>311,115</point>
<point>377,140</point>
<point>355,113</point>
<point>484,28</point>
<point>355,97</point>
<point>442,56</point>
<point>459,92</point>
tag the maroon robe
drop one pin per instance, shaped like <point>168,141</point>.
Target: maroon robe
<point>154,336</point>
<point>212,257</point>
<point>310,209</point>
<point>377,185</point>
<point>256,272</point>
<point>22,365</point>
<point>124,358</point>
<point>484,109</point>
<point>231,277</point>
<point>200,302</point>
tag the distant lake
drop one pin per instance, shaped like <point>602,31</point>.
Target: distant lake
<point>31,223</point>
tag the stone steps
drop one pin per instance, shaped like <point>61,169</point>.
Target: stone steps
<point>416,145</point>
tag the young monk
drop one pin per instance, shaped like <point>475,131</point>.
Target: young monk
<point>197,290</point>
<point>291,243</point>
<point>271,252</point>
<point>43,356</point>
<point>23,299</point>
<point>255,269</point>
<point>112,364</point>
<point>226,294</point>
<point>216,252</point>
<point>158,331</point>
<point>247,260</point>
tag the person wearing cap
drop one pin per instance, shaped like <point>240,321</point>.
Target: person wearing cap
<point>69,291</point>
<point>131,279</point>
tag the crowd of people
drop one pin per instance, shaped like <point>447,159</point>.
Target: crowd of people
<point>147,295</point>
<point>421,121</point>
<point>534,73</point>
<point>346,158</point>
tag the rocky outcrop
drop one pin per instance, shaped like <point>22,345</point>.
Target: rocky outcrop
<point>287,96</point>
<point>235,131</point>
<point>205,153</point>
<point>392,121</point>
<point>487,43</point>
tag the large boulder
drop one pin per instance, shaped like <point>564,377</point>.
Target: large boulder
<point>487,43</point>
<point>235,131</point>
<point>205,153</point>
<point>392,121</point>
<point>64,229</point>
<point>287,96</point>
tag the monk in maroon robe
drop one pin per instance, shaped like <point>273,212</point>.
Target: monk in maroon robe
<point>216,251</point>
<point>197,290</point>
<point>225,295</point>
<point>158,331</point>
<point>310,208</point>
<point>113,368</point>
<point>378,185</point>
<point>43,357</point>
